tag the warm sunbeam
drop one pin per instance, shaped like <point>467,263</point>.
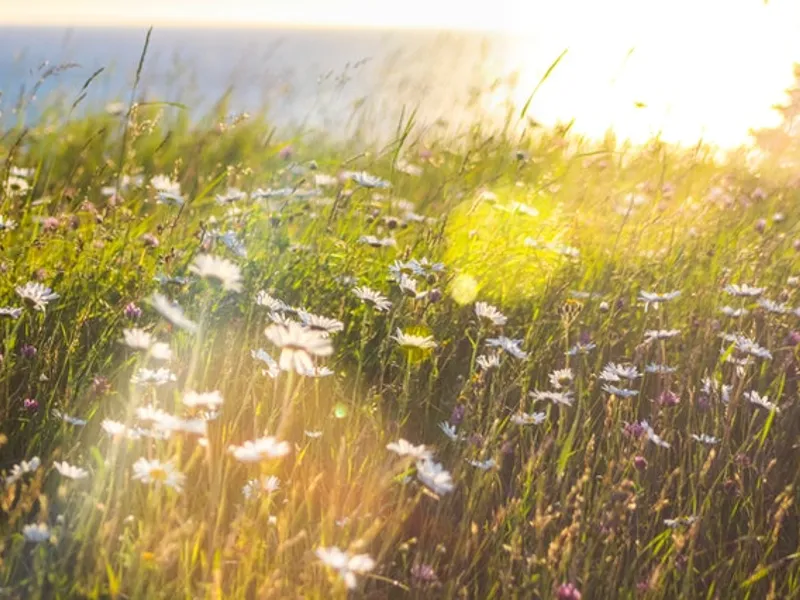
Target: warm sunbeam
<point>683,69</point>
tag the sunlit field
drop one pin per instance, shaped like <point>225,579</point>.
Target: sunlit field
<point>504,362</point>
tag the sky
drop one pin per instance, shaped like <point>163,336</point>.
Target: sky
<point>710,68</point>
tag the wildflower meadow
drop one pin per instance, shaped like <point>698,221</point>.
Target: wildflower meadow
<point>505,362</point>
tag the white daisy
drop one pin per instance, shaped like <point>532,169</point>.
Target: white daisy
<point>774,307</point>
<point>763,401</point>
<point>581,348</point>
<point>660,334</point>
<point>265,485</point>
<point>652,298</point>
<point>652,436</point>
<point>490,313</point>
<point>408,285</point>
<point>213,267</point>
<point>36,533</point>
<point>366,294</point>
<point>154,471</point>
<point>70,471</point>
<point>69,419</point>
<point>405,448</point>
<point>273,304</point>
<point>173,313</point>
<point>613,372</point>
<point>483,465</point>
<point>730,311</point>
<point>659,369</point>
<point>7,224</point>
<point>434,476</point>
<point>10,312</point>
<point>620,392</point>
<point>703,438</point>
<point>564,398</point>
<point>155,377</point>
<point>346,565</point>
<point>367,180</point>
<point>260,449</point>
<point>411,341</point>
<point>449,430</point>
<point>298,345</point>
<point>22,469</point>
<point>376,242</point>
<point>560,378</point>
<point>488,361</point>
<point>320,324</point>
<point>523,418</point>
<point>273,370</point>
<point>744,290</point>
<point>37,295</point>
<point>508,345</point>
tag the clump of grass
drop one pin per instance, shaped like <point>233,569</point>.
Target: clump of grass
<point>546,471</point>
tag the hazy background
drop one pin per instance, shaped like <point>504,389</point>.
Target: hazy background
<point>685,68</point>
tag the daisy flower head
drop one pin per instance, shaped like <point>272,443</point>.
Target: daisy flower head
<point>16,186</point>
<point>613,372</point>
<point>403,447</point>
<point>219,269</point>
<point>483,465</point>
<point>653,436</point>
<point>377,299</point>
<point>620,392</point>
<point>708,440</point>
<point>561,378</point>
<point>449,430</point>
<point>581,349</point>
<point>563,398</point>
<point>522,418</point>
<point>173,313</point>
<point>36,533</point>
<point>735,313</point>
<point>70,420</point>
<point>71,472</point>
<point>260,449</point>
<point>652,335</point>
<point>36,295</point>
<point>265,485</point>
<point>508,345</point>
<point>367,180</point>
<point>743,291</point>
<point>755,398</point>
<point>416,346</point>
<point>659,369</point>
<point>10,312</point>
<point>323,325</point>
<point>771,306</point>
<point>346,565</point>
<point>657,299</point>
<point>23,468</point>
<point>273,304</point>
<point>486,362</point>
<point>408,285</point>
<point>490,313</point>
<point>298,344</point>
<point>435,477</point>
<point>157,377</point>
<point>7,224</point>
<point>158,473</point>
<point>272,370</point>
<point>376,242</point>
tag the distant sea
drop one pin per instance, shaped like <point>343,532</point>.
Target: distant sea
<point>327,79</point>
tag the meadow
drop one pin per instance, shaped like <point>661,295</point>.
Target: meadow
<point>499,363</point>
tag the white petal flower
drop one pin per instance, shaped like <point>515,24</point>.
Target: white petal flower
<point>522,418</point>
<point>37,533</point>
<point>70,471</point>
<point>490,313</point>
<point>405,448</point>
<point>159,473</point>
<point>208,400</point>
<point>434,476</point>
<point>366,294</point>
<point>22,469</point>
<point>260,449</point>
<point>411,341</point>
<point>173,313</point>
<point>37,295</point>
<point>508,345</point>
<point>346,565</point>
<point>219,269</point>
<point>298,344</point>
